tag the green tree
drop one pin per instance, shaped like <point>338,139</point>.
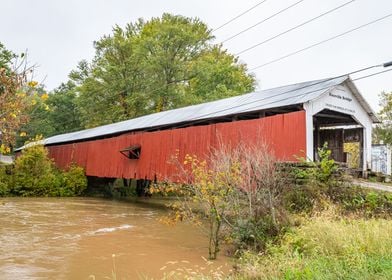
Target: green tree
<point>383,131</point>
<point>155,65</point>
<point>6,57</point>
<point>63,112</point>
<point>52,114</point>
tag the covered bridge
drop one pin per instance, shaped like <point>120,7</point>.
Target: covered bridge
<point>293,120</point>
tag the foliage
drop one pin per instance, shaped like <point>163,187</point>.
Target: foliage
<point>314,183</point>
<point>4,181</point>
<point>237,190</point>
<point>51,114</point>
<point>362,202</point>
<point>383,131</point>
<point>6,56</point>
<point>207,196</point>
<point>325,248</point>
<point>261,215</point>
<point>16,92</point>
<point>74,181</point>
<point>155,65</point>
<point>326,167</point>
<point>354,151</point>
<point>34,174</point>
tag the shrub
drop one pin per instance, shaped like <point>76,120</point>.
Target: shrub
<point>74,181</point>
<point>4,181</point>
<point>316,183</point>
<point>261,215</point>
<point>34,173</point>
<point>239,192</point>
<point>361,201</point>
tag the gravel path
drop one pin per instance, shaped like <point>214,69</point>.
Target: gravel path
<point>373,185</point>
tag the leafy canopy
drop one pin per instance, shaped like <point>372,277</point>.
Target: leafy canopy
<point>383,131</point>
<point>16,96</point>
<point>156,65</point>
<point>51,114</point>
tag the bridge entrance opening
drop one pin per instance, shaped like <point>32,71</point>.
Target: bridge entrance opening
<point>342,134</point>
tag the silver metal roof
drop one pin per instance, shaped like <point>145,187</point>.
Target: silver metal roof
<point>255,101</point>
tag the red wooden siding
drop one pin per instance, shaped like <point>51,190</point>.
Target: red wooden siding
<point>285,134</point>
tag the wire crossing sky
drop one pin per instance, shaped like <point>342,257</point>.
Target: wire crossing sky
<point>296,27</point>
<point>59,34</point>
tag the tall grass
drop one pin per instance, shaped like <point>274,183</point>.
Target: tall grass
<point>325,248</point>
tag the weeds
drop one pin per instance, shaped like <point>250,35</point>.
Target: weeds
<point>325,248</point>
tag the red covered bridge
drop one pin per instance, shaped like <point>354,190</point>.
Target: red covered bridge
<point>291,120</point>
<point>102,158</point>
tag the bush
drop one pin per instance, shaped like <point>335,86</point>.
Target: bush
<point>34,173</point>
<point>237,190</point>
<point>364,202</point>
<point>74,182</point>
<point>4,181</point>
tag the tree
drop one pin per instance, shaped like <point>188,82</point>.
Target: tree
<point>63,111</point>
<point>16,95</point>
<point>207,196</point>
<point>235,194</point>
<point>383,131</point>
<point>155,65</point>
<point>52,113</point>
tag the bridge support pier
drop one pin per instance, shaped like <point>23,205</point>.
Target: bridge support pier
<point>142,187</point>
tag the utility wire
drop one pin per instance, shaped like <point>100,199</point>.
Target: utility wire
<point>261,99</point>
<point>302,94</point>
<point>296,27</point>
<point>160,88</point>
<point>240,15</point>
<point>262,21</point>
<point>253,7</point>
<point>371,75</point>
<point>321,42</point>
<point>276,101</point>
<point>282,93</point>
<point>278,35</point>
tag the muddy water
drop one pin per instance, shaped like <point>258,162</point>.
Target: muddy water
<point>83,238</point>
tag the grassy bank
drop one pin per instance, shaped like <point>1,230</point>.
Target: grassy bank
<point>325,247</point>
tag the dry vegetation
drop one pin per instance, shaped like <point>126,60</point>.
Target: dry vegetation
<point>320,228</point>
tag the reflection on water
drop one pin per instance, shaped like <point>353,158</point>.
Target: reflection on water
<point>73,238</point>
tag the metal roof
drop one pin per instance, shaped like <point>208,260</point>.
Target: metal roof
<point>255,101</point>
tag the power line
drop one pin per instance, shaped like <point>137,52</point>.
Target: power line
<point>262,21</point>
<point>240,15</point>
<point>301,94</point>
<point>276,36</point>
<point>371,75</point>
<point>321,42</point>
<point>296,27</point>
<point>282,93</point>
<point>276,101</point>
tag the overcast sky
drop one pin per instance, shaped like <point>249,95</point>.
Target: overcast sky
<point>58,34</point>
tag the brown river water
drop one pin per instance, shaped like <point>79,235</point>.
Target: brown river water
<point>92,238</point>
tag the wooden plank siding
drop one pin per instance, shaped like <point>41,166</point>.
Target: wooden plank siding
<point>285,134</point>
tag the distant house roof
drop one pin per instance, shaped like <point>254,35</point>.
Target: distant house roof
<point>251,102</point>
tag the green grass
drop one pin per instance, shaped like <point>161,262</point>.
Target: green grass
<point>325,248</point>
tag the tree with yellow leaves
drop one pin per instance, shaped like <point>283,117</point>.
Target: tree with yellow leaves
<point>16,93</point>
<point>234,195</point>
